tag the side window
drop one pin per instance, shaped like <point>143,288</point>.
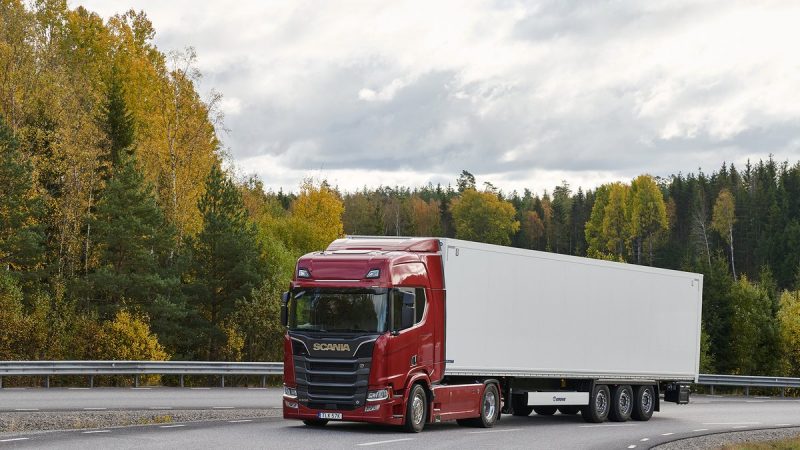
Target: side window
<point>397,305</point>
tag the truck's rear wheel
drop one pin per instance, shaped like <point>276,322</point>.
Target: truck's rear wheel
<point>569,410</point>
<point>490,409</point>
<point>621,404</point>
<point>416,410</point>
<point>545,410</point>
<point>644,398</point>
<point>520,404</point>
<point>599,404</point>
<point>315,423</point>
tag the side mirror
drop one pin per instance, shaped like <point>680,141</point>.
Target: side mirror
<point>407,320</point>
<point>285,309</point>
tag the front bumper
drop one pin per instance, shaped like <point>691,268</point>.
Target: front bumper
<point>390,412</point>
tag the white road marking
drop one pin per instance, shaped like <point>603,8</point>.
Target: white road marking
<point>95,409</point>
<point>667,434</point>
<point>732,423</point>
<point>740,426</point>
<point>644,439</point>
<point>26,409</point>
<point>222,407</point>
<point>782,424</point>
<point>366,444</point>
<point>609,425</point>
<point>240,421</point>
<point>161,407</point>
<point>172,426</point>
<point>96,431</point>
<point>494,431</point>
<point>632,446</point>
<point>700,429</point>
<point>14,439</point>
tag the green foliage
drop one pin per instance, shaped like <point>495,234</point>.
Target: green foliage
<point>754,332</point>
<point>482,217</point>
<point>648,214</point>
<point>21,237</point>
<point>227,260</point>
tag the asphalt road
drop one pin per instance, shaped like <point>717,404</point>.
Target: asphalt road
<point>705,415</point>
<point>99,399</point>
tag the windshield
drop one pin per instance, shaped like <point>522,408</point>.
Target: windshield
<point>343,310</point>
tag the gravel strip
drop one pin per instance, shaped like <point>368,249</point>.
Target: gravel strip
<point>713,441</point>
<point>65,420</point>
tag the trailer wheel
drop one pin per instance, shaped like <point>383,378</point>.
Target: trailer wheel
<point>416,410</point>
<point>599,404</point>
<point>520,404</point>
<point>569,410</point>
<point>644,400</point>
<point>545,410</point>
<point>315,423</point>
<point>621,404</point>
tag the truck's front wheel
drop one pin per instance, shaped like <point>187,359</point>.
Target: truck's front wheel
<point>599,404</point>
<point>416,410</point>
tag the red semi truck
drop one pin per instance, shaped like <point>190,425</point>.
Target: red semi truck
<point>412,331</point>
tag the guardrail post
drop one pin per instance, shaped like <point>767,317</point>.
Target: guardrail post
<point>1,382</point>
<point>712,389</point>
<point>91,381</point>
<point>47,381</point>
<point>136,380</point>
<point>782,392</point>
<point>747,391</point>
<point>222,381</point>
<point>181,380</point>
<point>263,381</point>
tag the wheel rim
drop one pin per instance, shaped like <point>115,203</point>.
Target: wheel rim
<point>625,402</point>
<point>417,409</point>
<point>489,405</point>
<point>647,401</point>
<point>601,403</point>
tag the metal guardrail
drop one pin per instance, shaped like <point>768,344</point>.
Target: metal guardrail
<point>264,369</point>
<point>747,381</point>
<point>137,368</point>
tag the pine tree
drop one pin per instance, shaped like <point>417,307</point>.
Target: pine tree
<point>134,242</point>
<point>21,236</point>
<point>226,260</point>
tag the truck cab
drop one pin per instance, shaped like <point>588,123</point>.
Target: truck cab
<point>365,323</point>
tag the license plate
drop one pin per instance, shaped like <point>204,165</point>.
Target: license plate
<point>330,416</point>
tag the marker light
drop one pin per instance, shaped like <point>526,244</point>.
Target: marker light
<point>289,391</point>
<point>374,273</point>
<point>303,273</point>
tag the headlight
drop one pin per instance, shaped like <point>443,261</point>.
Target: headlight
<point>374,396</point>
<point>289,391</point>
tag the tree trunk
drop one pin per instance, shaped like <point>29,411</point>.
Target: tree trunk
<point>733,266</point>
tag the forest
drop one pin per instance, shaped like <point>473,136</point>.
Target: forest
<point>125,233</point>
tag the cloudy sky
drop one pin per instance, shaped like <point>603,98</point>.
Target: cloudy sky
<point>522,94</point>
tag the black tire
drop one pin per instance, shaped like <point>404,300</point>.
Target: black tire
<point>569,410</point>
<point>316,423</point>
<point>545,410</point>
<point>599,405</point>
<point>520,404</point>
<point>644,400</point>
<point>416,410</point>
<point>490,407</point>
<point>621,404</point>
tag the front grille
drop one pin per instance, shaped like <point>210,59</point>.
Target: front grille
<point>333,383</point>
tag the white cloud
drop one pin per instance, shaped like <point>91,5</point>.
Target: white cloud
<point>524,93</point>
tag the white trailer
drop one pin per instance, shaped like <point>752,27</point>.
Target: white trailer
<point>548,321</point>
